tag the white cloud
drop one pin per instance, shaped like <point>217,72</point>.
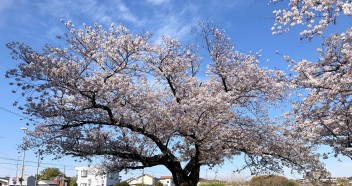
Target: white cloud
<point>175,27</point>
<point>175,19</point>
<point>232,3</point>
<point>54,31</point>
<point>88,11</point>
<point>175,22</point>
<point>125,13</point>
<point>6,4</point>
<point>158,2</point>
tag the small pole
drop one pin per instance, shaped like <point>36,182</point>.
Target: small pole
<point>36,176</point>
<point>18,159</point>
<point>143,177</point>
<point>24,155</point>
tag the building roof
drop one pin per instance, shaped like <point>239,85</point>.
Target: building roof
<point>46,182</point>
<point>1,181</point>
<point>166,177</point>
<point>146,175</point>
<point>131,179</point>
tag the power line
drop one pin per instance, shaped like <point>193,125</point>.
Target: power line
<point>6,163</point>
<point>12,159</point>
<point>7,168</point>
<point>9,111</point>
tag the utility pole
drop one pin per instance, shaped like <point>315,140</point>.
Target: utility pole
<point>36,176</point>
<point>21,178</point>
<point>63,179</point>
<point>24,155</point>
<point>18,159</point>
<point>143,177</point>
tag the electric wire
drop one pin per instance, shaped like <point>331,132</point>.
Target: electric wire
<point>34,162</point>
<point>12,112</point>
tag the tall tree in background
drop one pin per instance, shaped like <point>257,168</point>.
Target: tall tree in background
<point>137,104</point>
<point>50,174</point>
<point>325,114</point>
<point>72,181</point>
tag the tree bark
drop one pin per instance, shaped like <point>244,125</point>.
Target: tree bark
<point>182,179</point>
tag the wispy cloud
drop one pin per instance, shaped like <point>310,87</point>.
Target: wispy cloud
<point>6,4</point>
<point>161,17</point>
<point>96,11</point>
<point>231,3</point>
<point>158,2</point>
<point>173,26</point>
<point>126,14</point>
<point>176,20</point>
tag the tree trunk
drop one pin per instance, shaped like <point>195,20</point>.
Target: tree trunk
<point>181,178</point>
<point>187,176</point>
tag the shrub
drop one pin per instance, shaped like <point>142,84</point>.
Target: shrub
<point>272,180</point>
<point>124,183</point>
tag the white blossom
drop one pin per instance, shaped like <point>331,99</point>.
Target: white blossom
<point>317,15</point>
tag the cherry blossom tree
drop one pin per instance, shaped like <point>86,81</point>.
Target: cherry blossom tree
<point>135,103</point>
<point>325,113</point>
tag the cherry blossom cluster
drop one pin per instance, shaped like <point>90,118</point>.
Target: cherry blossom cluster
<point>325,114</point>
<point>322,111</point>
<point>315,15</point>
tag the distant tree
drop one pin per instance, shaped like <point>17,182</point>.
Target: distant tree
<point>213,184</point>
<point>49,174</point>
<point>272,180</point>
<point>124,183</point>
<point>138,104</point>
<point>158,183</point>
<point>342,181</point>
<point>72,181</point>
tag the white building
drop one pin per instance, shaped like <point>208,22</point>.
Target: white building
<point>167,181</point>
<point>4,181</point>
<point>88,176</point>
<point>27,181</point>
<point>145,179</point>
<point>62,182</point>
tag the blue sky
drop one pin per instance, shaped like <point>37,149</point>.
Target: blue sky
<point>37,22</point>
